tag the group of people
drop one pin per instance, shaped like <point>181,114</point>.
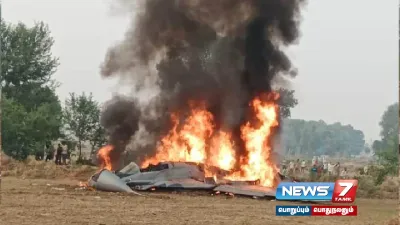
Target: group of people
<point>61,155</point>
<point>318,168</point>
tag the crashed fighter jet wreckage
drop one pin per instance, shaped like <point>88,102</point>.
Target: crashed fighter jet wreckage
<point>175,176</point>
<point>218,102</point>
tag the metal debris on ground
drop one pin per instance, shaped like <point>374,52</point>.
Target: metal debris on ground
<point>174,176</point>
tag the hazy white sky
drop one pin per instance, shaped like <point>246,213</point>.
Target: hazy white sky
<point>347,56</point>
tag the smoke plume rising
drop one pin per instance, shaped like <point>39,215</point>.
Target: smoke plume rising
<point>220,53</point>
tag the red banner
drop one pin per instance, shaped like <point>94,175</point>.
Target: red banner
<point>334,210</point>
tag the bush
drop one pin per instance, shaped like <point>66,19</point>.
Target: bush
<point>366,187</point>
<point>390,184</point>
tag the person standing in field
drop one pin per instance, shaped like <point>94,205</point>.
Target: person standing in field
<point>337,169</point>
<point>303,166</point>
<point>58,154</point>
<point>313,172</point>
<point>330,169</point>
<point>291,168</point>
<point>314,160</point>
<point>343,173</point>
<point>49,152</point>
<point>297,166</point>
<point>320,168</point>
<point>325,167</point>
<point>64,154</point>
<point>284,167</point>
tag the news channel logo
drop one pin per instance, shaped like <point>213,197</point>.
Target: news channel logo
<point>341,191</point>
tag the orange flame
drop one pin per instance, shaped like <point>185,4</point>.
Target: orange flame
<point>104,156</point>
<point>259,165</point>
<point>222,152</point>
<point>186,141</point>
<point>195,140</point>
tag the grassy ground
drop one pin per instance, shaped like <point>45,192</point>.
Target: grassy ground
<point>50,201</point>
<point>45,170</point>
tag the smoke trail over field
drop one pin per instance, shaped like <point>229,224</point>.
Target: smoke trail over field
<point>221,53</point>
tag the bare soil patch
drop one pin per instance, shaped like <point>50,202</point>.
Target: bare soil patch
<point>50,201</point>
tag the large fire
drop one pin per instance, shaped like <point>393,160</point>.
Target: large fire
<point>196,140</point>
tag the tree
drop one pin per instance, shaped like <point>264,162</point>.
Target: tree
<point>81,117</point>
<point>15,141</point>
<point>31,110</point>
<point>387,148</point>
<point>97,136</point>
<point>388,158</point>
<point>286,102</point>
<point>389,128</point>
<point>389,122</point>
<point>27,63</point>
<point>318,138</point>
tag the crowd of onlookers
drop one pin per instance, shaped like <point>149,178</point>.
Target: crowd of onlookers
<point>61,155</point>
<point>316,168</point>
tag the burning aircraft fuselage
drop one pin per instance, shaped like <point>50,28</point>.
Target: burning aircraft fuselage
<point>196,140</point>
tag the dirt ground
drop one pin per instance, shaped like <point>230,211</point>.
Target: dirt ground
<point>59,202</point>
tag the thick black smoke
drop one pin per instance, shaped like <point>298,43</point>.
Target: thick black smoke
<point>222,53</point>
<point>121,120</point>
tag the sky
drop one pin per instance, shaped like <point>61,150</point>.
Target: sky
<point>347,56</point>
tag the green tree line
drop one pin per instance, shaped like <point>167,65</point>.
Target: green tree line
<point>32,114</point>
<point>310,138</point>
